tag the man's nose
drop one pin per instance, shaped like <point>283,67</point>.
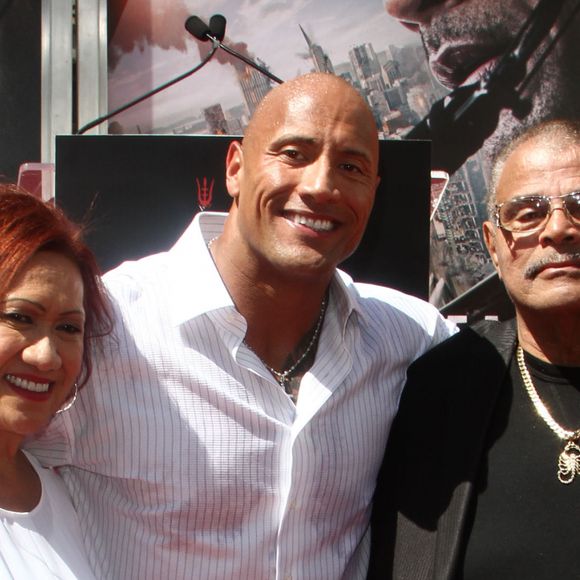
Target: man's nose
<point>318,178</point>
<point>42,353</point>
<point>559,228</point>
<point>418,12</point>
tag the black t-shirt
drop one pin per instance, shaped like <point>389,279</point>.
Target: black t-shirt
<point>525,523</point>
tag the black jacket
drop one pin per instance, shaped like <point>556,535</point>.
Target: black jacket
<point>427,479</point>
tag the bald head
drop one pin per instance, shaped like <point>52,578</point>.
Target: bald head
<point>317,93</point>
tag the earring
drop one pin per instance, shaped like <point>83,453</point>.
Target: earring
<point>71,401</point>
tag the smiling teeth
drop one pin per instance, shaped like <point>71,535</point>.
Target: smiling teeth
<point>27,385</point>
<point>317,225</point>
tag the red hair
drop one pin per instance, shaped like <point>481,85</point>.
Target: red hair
<point>28,226</point>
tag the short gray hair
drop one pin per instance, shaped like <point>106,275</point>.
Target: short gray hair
<point>560,132</point>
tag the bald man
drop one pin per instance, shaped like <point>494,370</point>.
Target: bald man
<point>235,427</point>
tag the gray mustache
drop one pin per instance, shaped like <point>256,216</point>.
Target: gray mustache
<point>533,269</point>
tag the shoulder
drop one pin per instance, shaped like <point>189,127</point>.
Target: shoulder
<point>385,307</point>
<point>474,356</point>
<point>128,280</point>
<point>388,299</point>
<point>372,297</point>
<point>485,337</point>
<point>158,276</point>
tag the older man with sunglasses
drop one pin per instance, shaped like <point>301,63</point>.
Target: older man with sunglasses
<point>481,477</point>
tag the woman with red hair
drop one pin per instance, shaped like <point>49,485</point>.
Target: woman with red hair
<point>52,306</point>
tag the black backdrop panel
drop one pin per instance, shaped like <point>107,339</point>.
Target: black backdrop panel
<point>138,193</point>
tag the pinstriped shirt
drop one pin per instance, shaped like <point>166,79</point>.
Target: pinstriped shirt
<point>185,458</point>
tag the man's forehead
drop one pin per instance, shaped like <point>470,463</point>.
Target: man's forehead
<point>540,166</point>
<point>312,116</point>
<point>333,104</point>
<point>349,138</point>
<point>298,102</point>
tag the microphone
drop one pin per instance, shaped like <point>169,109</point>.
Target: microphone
<point>217,26</point>
<point>198,28</point>
<point>216,32</point>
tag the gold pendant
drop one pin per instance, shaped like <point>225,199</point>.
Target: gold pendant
<point>569,463</point>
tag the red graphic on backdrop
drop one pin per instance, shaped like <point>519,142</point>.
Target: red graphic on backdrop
<point>204,192</point>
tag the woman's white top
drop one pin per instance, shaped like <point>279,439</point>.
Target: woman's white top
<point>45,542</point>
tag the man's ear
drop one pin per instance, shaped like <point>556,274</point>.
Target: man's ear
<point>489,236</point>
<point>234,168</point>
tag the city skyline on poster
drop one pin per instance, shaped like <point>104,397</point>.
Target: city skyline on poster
<point>147,49</point>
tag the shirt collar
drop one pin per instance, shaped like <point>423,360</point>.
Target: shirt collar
<point>346,297</point>
<point>195,286</point>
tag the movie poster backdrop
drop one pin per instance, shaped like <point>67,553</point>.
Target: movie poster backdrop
<point>402,69</point>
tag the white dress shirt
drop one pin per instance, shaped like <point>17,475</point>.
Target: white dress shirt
<point>188,460</point>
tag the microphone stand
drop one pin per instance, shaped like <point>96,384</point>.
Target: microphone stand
<point>85,128</point>
<point>247,60</point>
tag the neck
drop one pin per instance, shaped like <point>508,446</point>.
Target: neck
<point>20,487</point>
<point>279,329</point>
<point>551,337</point>
<point>10,444</point>
<point>280,312</point>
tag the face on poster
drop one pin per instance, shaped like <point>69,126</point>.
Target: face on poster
<point>404,55</point>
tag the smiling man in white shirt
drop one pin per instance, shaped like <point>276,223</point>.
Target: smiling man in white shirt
<point>235,426</point>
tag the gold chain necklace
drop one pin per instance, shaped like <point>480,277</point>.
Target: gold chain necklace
<point>569,458</point>
<point>284,377</point>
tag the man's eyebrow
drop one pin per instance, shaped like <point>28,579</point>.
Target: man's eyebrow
<point>357,153</point>
<point>292,138</point>
<point>306,140</point>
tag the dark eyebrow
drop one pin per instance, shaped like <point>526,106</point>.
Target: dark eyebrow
<point>304,140</point>
<point>290,138</point>
<point>32,302</point>
<point>40,306</point>
<point>358,153</point>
